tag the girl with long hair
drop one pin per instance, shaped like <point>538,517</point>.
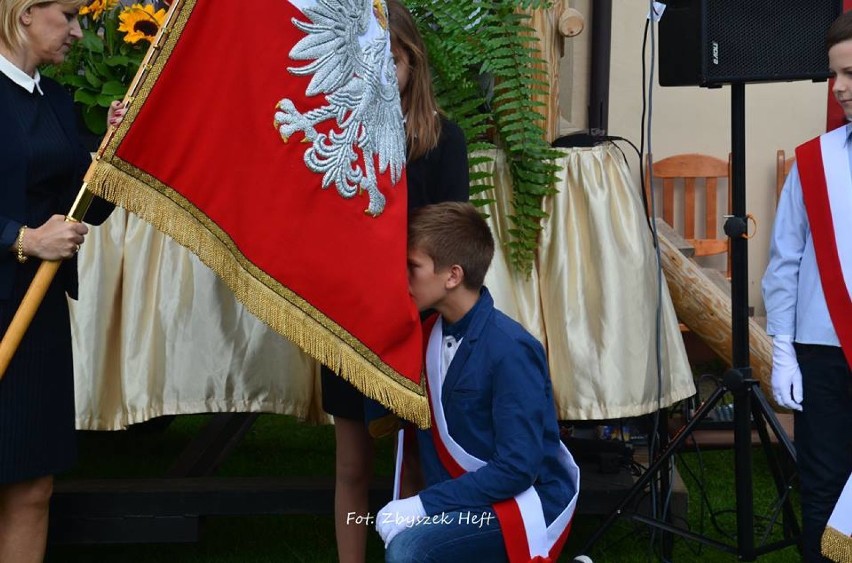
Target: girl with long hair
<point>437,171</point>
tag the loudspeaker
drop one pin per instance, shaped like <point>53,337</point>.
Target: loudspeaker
<point>715,42</point>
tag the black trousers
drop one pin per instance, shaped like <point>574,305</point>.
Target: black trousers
<point>823,438</point>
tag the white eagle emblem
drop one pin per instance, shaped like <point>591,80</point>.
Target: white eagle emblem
<point>348,45</point>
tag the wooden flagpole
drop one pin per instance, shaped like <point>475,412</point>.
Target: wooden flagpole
<point>48,268</point>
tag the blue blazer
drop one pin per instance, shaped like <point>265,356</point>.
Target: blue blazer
<point>498,403</point>
<point>13,183</point>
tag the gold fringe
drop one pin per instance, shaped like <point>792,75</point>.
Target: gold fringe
<point>837,546</point>
<point>281,309</point>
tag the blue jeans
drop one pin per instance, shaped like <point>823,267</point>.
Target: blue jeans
<point>823,438</point>
<point>466,535</point>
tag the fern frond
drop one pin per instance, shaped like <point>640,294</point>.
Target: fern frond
<point>469,39</point>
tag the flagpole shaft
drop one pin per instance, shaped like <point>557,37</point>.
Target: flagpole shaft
<point>144,67</point>
<point>37,290</point>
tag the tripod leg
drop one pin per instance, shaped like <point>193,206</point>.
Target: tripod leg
<point>743,469</point>
<point>749,403</point>
<point>661,461</point>
<point>767,412</point>
<point>762,414</point>
<point>662,486</point>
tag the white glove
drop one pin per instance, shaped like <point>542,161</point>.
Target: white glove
<point>786,375</point>
<point>398,515</point>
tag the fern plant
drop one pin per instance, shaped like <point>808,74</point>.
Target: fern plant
<point>487,69</point>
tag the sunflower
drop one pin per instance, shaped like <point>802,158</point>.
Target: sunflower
<point>96,8</point>
<point>141,22</point>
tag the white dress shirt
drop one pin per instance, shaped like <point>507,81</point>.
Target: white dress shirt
<point>19,77</point>
<point>792,291</point>
<point>449,347</point>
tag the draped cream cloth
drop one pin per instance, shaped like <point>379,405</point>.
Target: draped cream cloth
<point>156,332</point>
<point>592,295</point>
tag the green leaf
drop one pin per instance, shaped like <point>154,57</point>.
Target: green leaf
<point>92,42</point>
<point>103,70</point>
<point>479,159</point>
<point>104,100</point>
<point>85,97</point>
<point>114,88</point>
<point>117,60</point>
<point>93,79</point>
<point>95,120</point>
<point>75,81</point>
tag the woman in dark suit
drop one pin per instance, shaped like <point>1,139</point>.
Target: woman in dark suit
<point>41,168</point>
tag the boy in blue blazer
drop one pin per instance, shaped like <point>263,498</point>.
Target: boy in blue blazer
<point>499,483</point>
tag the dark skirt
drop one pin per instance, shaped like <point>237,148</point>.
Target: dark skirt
<point>37,415</point>
<point>339,397</point>
<point>342,400</point>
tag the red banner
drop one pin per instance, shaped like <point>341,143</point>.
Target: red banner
<point>273,149</point>
<point>815,192</point>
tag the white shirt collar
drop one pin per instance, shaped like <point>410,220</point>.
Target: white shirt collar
<point>19,77</point>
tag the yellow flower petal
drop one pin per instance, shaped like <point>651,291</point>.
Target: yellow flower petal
<point>140,22</point>
<point>96,8</point>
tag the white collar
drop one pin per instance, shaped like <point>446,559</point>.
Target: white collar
<point>19,77</point>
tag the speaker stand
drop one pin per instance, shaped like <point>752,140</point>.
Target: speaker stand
<point>750,405</point>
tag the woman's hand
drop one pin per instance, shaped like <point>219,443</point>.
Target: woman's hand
<point>116,113</point>
<point>56,239</point>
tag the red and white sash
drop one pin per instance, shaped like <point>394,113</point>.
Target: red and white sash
<point>837,539</point>
<point>525,533</point>
<point>827,193</point>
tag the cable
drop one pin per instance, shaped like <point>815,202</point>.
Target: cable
<point>649,208</point>
<point>647,110</point>
<point>614,138</point>
<point>642,130</point>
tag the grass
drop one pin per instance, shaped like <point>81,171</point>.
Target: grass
<point>280,445</point>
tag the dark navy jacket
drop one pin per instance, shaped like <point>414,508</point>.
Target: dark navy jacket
<point>13,183</point>
<point>498,404</point>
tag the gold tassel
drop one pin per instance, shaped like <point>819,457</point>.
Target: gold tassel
<point>837,546</point>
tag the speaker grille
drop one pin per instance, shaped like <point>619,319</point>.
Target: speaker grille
<point>714,42</point>
<point>765,39</point>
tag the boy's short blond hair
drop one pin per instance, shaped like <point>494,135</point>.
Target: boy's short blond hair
<point>453,233</point>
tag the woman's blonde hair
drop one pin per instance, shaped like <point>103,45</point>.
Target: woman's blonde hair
<point>11,30</point>
<point>422,123</point>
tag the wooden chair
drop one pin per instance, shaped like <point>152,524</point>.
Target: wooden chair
<point>693,176</point>
<point>782,168</point>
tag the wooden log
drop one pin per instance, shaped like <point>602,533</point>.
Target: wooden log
<point>552,26</point>
<point>706,309</point>
<point>571,22</point>
<point>663,229</point>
